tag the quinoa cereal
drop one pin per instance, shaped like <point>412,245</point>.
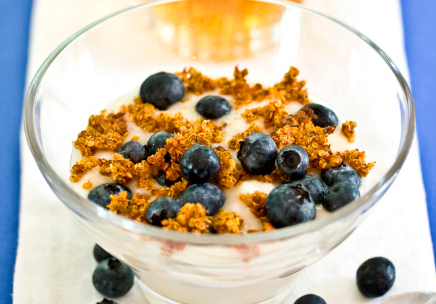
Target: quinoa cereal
<point>228,156</point>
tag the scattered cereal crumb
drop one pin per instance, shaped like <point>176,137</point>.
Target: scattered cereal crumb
<point>227,222</point>
<point>87,185</point>
<point>228,174</point>
<point>356,159</point>
<point>195,82</point>
<point>104,133</point>
<point>82,167</point>
<point>135,208</point>
<point>191,218</point>
<point>348,130</point>
<point>235,142</point>
<point>256,202</point>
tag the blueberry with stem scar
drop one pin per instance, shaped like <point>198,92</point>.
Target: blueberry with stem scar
<point>293,160</point>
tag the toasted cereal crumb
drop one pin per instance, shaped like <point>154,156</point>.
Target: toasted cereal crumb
<point>82,167</point>
<point>240,90</point>
<point>227,222</point>
<point>356,159</point>
<point>117,169</point>
<point>289,89</point>
<point>256,202</point>
<point>135,138</point>
<point>104,133</point>
<point>228,174</point>
<point>135,208</point>
<point>173,191</point>
<point>87,185</point>
<point>195,82</point>
<point>311,138</point>
<point>235,142</point>
<point>274,115</point>
<point>348,130</point>
<point>191,218</point>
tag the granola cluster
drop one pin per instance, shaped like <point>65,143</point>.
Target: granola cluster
<point>108,131</point>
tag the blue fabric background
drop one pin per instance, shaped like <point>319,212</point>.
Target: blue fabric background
<point>420,32</point>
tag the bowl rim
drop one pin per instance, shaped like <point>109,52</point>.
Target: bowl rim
<point>80,205</point>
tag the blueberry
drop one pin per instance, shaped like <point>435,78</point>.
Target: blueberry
<point>106,301</point>
<point>339,195</point>
<point>210,196</point>
<point>258,153</point>
<point>162,90</point>
<point>288,205</point>
<point>161,209</point>
<point>213,107</point>
<point>311,185</point>
<point>293,160</point>
<point>100,254</point>
<point>157,141</point>
<point>101,194</point>
<point>342,173</point>
<point>134,151</point>
<point>325,116</point>
<point>375,277</point>
<point>310,299</point>
<point>199,164</point>
<point>112,278</point>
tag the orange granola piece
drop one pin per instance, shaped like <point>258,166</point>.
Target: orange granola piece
<point>82,167</point>
<point>173,191</point>
<point>191,218</point>
<point>240,90</point>
<point>289,89</point>
<point>104,133</point>
<point>118,169</point>
<point>227,222</point>
<point>87,185</point>
<point>348,130</point>
<point>135,208</point>
<point>235,142</point>
<point>144,174</point>
<point>256,202</point>
<point>228,174</point>
<point>274,115</point>
<point>311,138</point>
<point>195,82</point>
<point>356,159</point>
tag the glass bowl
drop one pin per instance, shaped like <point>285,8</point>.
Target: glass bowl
<point>112,56</point>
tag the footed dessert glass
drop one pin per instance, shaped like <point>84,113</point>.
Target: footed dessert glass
<point>114,55</point>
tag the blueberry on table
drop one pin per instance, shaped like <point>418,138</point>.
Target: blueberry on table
<point>293,160</point>
<point>312,185</point>
<point>106,301</point>
<point>210,196</point>
<point>339,195</point>
<point>213,107</point>
<point>310,299</point>
<point>375,277</point>
<point>100,254</point>
<point>162,90</point>
<point>134,151</point>
<point>157,141</point>
<point>288,205</point>
<point>258,153</point>
<point>161,209</point>
<point>101,195</point>
<point>199,164</point>
<point>342,173</point>
<point>325,116</point>
<point>112,278</point>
